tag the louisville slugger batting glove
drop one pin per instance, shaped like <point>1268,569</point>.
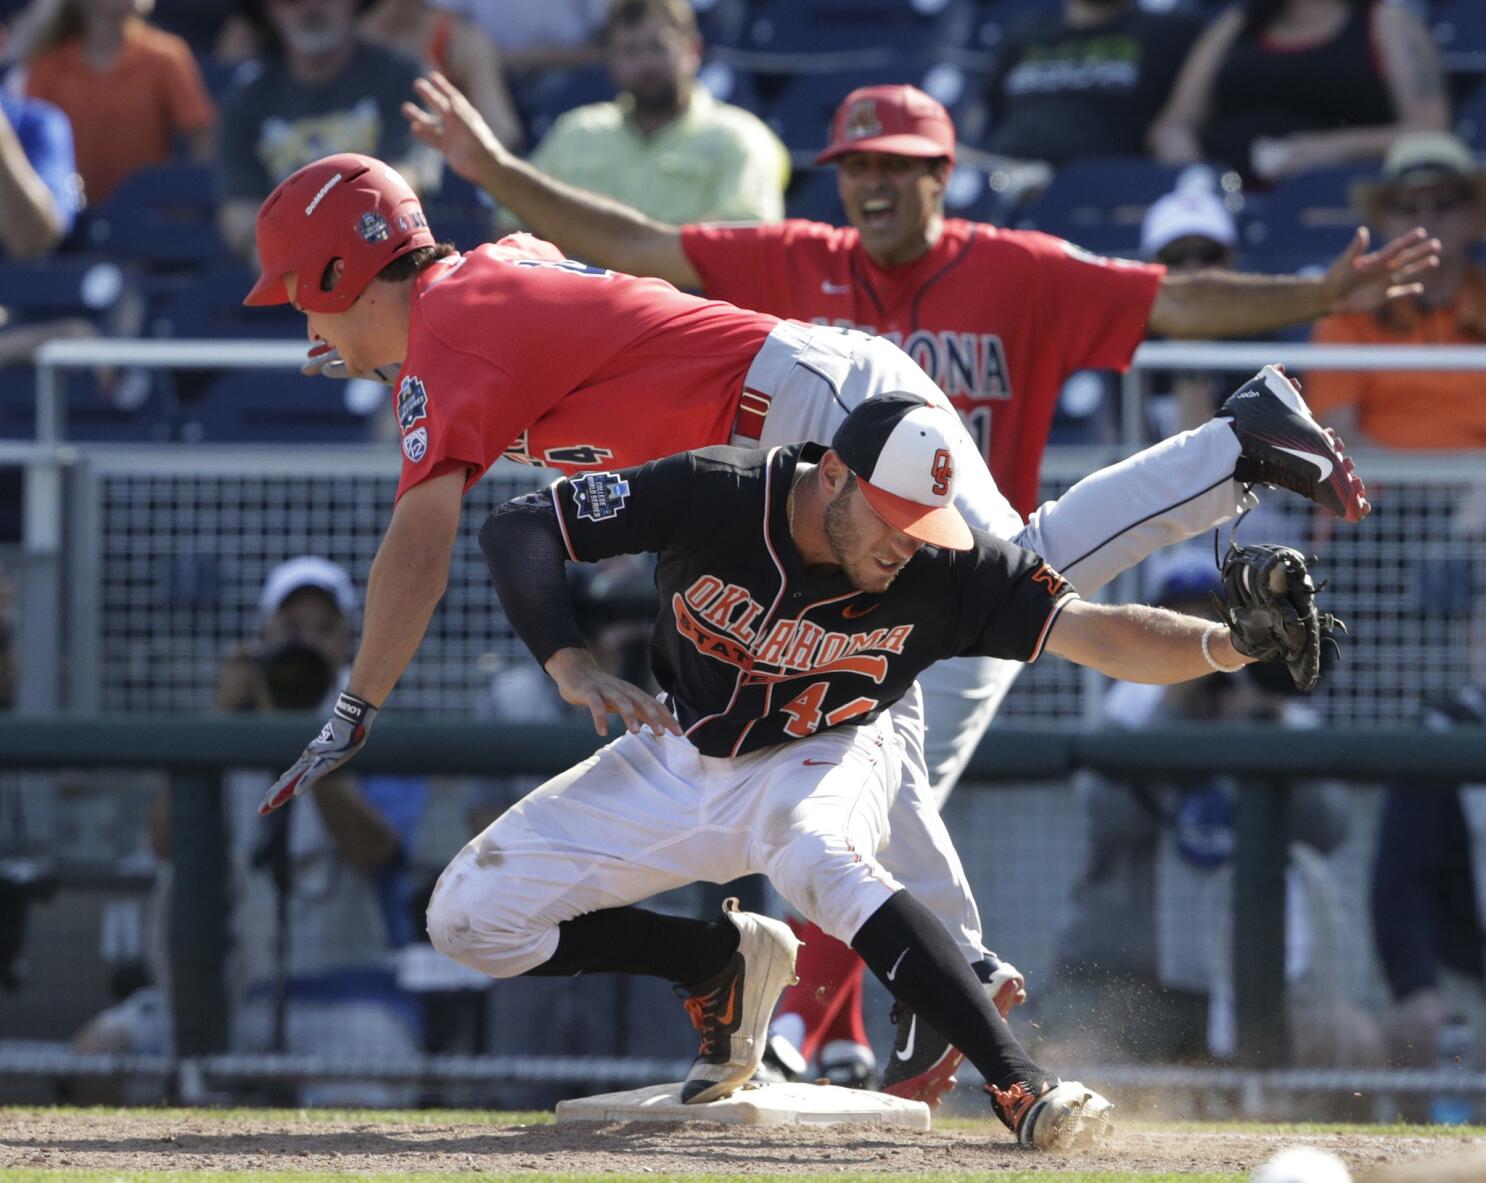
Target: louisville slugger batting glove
<point>328,363</point>
<point>339,740</point>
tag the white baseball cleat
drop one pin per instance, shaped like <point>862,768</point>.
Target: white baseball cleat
<point>1064,1116</point>
<point>733,1008</point>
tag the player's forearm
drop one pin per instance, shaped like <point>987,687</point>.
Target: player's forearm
<point>1136,643</point>
<point>1235,304</point>
<point>527,558</point>
<point>407,581</point>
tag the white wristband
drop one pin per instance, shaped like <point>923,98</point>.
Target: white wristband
<point>1212,661</point>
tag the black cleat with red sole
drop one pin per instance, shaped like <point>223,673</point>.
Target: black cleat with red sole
<point>1283,445</point>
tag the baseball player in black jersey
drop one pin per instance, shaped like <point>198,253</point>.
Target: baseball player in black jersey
<point>803,590</point>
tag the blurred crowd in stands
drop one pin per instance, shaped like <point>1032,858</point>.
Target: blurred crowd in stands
<point>138,138</point>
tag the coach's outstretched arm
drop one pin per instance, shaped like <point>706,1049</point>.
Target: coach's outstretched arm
<point>584,225</point>
<point>1215,303</point>
<point>408,578</point>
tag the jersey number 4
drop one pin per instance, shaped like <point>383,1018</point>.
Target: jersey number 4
<point>805,715</point>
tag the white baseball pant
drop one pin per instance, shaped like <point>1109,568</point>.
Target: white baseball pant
<point>648,813</point>
<point>813,375</point>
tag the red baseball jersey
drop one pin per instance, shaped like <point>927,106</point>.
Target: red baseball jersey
<point>999,318</point>
<point>515,351</point>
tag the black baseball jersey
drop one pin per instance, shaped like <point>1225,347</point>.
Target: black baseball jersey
<point>754,650</point>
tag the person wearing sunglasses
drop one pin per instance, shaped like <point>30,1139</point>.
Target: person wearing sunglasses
<point>1187,230</point>
<point>1428,179</point>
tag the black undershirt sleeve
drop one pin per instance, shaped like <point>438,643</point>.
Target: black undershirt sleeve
<point>524,549</point>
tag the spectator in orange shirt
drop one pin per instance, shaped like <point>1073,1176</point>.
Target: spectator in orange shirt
<point>128,88</point>
<point>1429,179</point>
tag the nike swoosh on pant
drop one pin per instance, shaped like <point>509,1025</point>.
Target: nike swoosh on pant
<point>1322,463</point>
<point>906,1051</point>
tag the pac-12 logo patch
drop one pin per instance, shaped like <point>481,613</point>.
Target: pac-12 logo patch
<point>415,444</point>
<point>412,402</point>
<point>599,495</point>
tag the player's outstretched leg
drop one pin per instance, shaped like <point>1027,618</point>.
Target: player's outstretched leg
<point>915,957</point>
<point>1284,445</point>
<point>922,1065</point>
<point>732,1008</point>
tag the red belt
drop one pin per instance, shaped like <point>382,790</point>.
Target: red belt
<point>752,408</point>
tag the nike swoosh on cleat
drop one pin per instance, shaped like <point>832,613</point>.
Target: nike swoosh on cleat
<point>725,1019</point>
<point>906,1053</point>
<point>816,763</point>
<point>1322,463</point>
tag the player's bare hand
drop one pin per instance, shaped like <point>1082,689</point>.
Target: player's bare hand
<point>581,682</point>
<point>449,123</point>
<point>326,362</point>
<point>1363,281</point>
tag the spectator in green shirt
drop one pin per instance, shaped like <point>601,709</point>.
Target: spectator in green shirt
<point>664,145</point>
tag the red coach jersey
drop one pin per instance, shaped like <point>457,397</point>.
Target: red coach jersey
<point>516,351</point>
<point>999,318</point>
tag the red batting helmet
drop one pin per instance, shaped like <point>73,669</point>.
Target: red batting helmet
<point>348,207</point>
<point>898,120</point>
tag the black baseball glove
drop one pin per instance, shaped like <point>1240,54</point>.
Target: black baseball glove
<point>1269,606</point>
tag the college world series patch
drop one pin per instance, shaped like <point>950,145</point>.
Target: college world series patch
<point>412,402</point>
<point>599,495</point>
<point>415,444</point>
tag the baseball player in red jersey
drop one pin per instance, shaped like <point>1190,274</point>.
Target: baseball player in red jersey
<point>512,350</point>
<point>999,318</point>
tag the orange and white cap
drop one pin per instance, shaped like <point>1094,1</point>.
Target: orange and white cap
<point>897,120</point>
<point>349,207</point>
<point>905,452</point>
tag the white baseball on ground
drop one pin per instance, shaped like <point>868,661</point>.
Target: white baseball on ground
<point>1303,1164</point>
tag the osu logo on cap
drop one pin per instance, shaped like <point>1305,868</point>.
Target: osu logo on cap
<point>861,121</point>
<point>943,471</point>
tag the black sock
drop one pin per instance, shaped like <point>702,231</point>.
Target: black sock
<point>904,944</point>
<point>634,941</point>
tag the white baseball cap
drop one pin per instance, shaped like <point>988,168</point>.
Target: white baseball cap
<point>905,452</point>
<point>1183,213</point>
<point>307,571</point>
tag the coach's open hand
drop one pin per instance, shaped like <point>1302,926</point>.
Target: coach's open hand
<point>1363,281</point>
<point>339,740</point>
<point>581,682</point>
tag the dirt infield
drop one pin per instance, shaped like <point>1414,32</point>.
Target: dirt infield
<point>131,1140</point>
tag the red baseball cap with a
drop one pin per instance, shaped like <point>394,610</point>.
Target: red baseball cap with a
<point>349,207</point>
<point>898,120</point>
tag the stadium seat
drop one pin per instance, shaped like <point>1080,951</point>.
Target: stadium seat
<point>545,96</point>
<point>1099,204</point>
<point>815,26</point>
<point>728,83</point>
<point>801,113</point>
<point>69,285</point>
<point>131,407</point>
<point>209,304</point>
<point>164,215</point>
<point>721,22</point>
<point>1470,119</point>
<point>1459,28</point>
<point>1303,221</point>
<point>812,195</point>
<point>272,406</point>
